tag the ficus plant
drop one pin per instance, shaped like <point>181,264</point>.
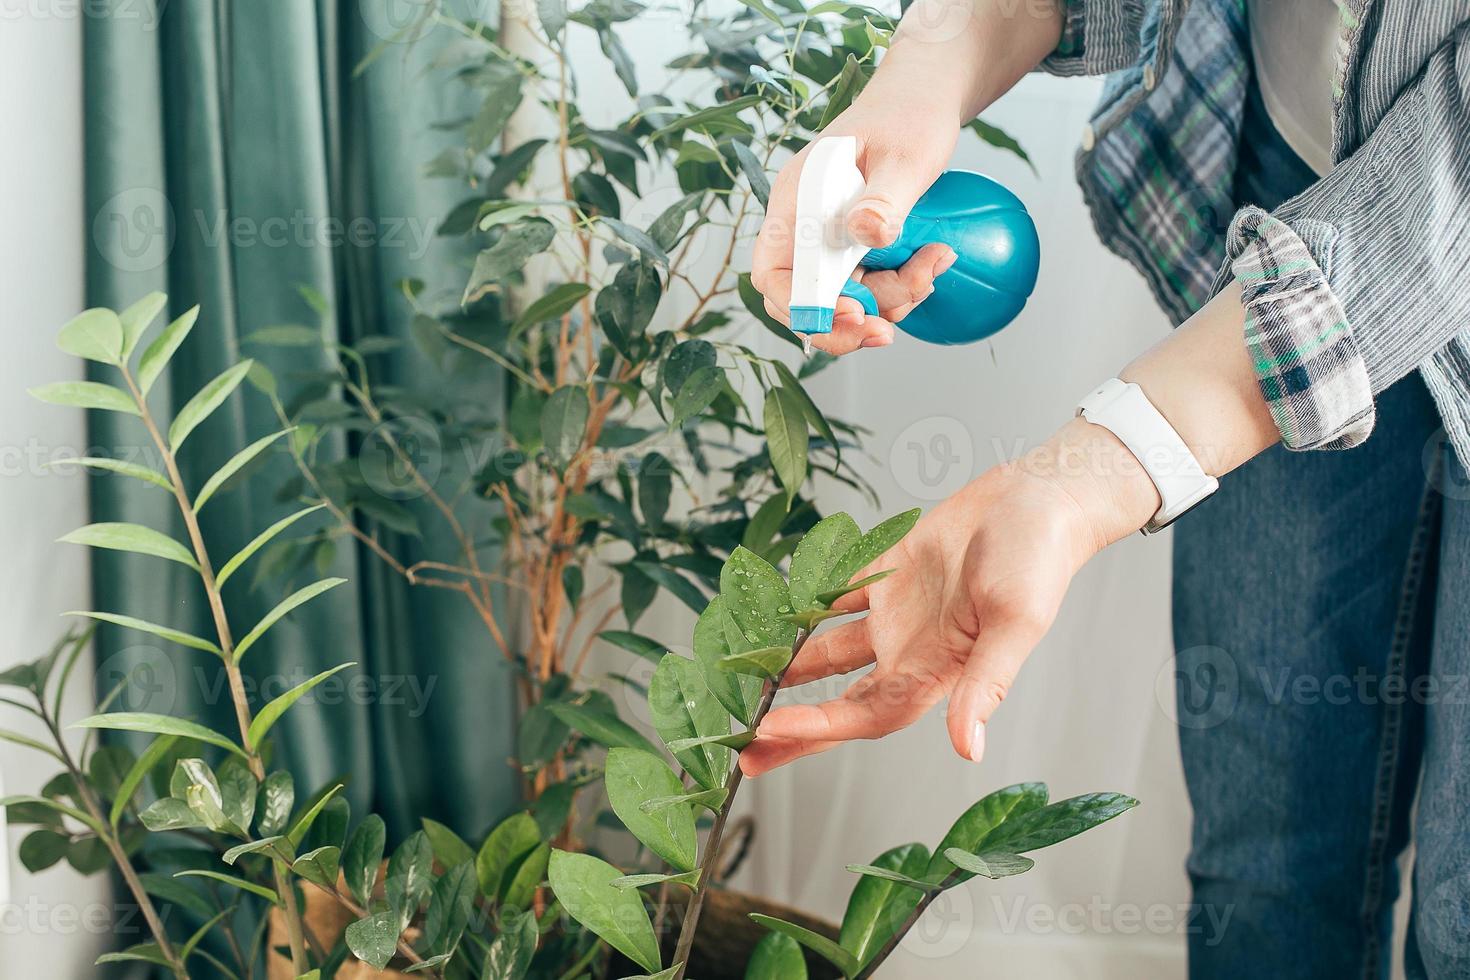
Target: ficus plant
<point>743,644</point>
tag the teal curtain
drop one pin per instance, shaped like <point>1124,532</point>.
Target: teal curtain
<point>232,156</point>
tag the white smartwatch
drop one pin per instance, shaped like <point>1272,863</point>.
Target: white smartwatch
<point>1125,411</point>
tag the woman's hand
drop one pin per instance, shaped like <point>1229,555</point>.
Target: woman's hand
<point>976,584</point>
<point>901,153</point>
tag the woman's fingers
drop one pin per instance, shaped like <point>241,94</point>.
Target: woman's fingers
<point>877,705</point>
<point>837,651</point>
<point>995,659</point>
<point>898,291</point>
<point>765,754</point>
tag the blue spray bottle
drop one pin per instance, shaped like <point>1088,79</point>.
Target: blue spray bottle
<point>993,236</point>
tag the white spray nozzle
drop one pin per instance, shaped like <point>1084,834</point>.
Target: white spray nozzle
<point>824,254</point>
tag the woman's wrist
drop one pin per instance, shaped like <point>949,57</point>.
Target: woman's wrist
<point>1110,494</point>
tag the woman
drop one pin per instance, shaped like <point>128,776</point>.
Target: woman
<point>1337,134</point>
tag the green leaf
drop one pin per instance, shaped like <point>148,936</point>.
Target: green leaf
<point>204,402</point>
<point>190,944</point>
<point>755,305</point>
<point>286,605</point>
<point>634,777</point>
<point>86,394</point>
<point>362,856</point>
<point>450,904</point>
<point>636,644</point>
<point>502,96</point>
<point>374,939</point>
<point>879,906</point>
<point>277,847</point>
<point>167,633</point>
<point>506,847</point>
<point>137,721</point>
<point>786,436</point>
<point>233,882</point>
<point>141,953</point>
<point>134,470</point>
<point>95,334</point>
<point>449,849</point>
<point>260,541</point>
<point>689,879</point>
<point>702,118</point>
<point>760,183</point>
<point>273,711</point>
<point>564,423</point>
<point>138,318</point>
<point>809,408</point>
<point>898,878</point>
<point>756,599</point>
<point>698,391</point>
<point>767,662</point>
<point>1056,822</point>
<point>639,239</point>
<point>151,756</point>
<point>175,892</point>
<point>40,849</point>
<point>832,595</point>
<point>583,885</point>
<point>655,485</point>
<point>817,555</point>
<point>509,254</point>
<point>873,546</point>
<point>776,957</point>
<point>600,725</point>
<point>509,956</point>
<point>319,866</point>
<point>737,742</point>
<point>157,354</point>
<point>169,814</point>
<point>119,536</point>
<point>559,301</point>
<point>681,588</point>
<point>849,84</point>
<point>238,789</point>
<point>991,864</point>
<point>821,945</point>
<point>766,523</point>
<point>739,694</point>
<point>25,741</point>
<point>973,826</point>
<point>710,799</point>
<point>277,799</point>
<point>235,464</point>
<point>681,706</point>
<point>298,832</point>
<point>1001,140</point>
<point>521,891</point>
<point>57,806</point>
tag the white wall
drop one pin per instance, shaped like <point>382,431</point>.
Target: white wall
<point>41,222</point>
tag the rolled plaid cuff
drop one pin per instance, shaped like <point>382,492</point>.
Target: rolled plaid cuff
<point>1099,36</point>
<point>1306,358</point>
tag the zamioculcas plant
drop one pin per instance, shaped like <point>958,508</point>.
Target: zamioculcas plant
<point>743,643</point>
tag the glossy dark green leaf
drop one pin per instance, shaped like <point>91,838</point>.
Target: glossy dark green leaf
<point>755,173</point>
<point>410,876</point>
<point>1001,140</point>
<point>40,849</point>
<point>755,600</point>
<point>137,721</point>
<point>509,254</point>
<point>878,907</point>
<point>556,303</point>
<point>361,857</point>
<point>449,848</point>
<point>1056,822</point>
<point>787,438</point>
<point>300,597</point>
<point>450,905</point>
<point>689,879</point>
<point>277,800</point>
<point>509,956</point>
<point>832,595</point>
<point>520,893</point>
<point>268,715</point>
<point>849,84</point>
<point>872,546</point>
<point>374,939</point>
<point>245,886</point>
<point>681,706</point>
<point>737,741</point>
<point>503,850</point>
<point>766,662</point>
<point>698,391</point>
<point>970,831</point>
<point>738,694</point>
<point>819,944</point>
<point>583,885</point>
<point>564,423</point>
<point>655,484</point>
<point>816,558</point>
<point>636,644</point>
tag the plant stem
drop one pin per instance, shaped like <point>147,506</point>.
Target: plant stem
<point>291,911</point>
<point>114,847</point>
<point>711,858</point>
<point>903,930</point>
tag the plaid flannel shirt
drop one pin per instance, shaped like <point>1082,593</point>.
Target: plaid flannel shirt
<point>1363,277</point>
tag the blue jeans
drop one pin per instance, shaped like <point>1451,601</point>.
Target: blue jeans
<point>1322,629</point>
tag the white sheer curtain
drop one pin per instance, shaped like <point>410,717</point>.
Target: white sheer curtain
<point>1084,715</point>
